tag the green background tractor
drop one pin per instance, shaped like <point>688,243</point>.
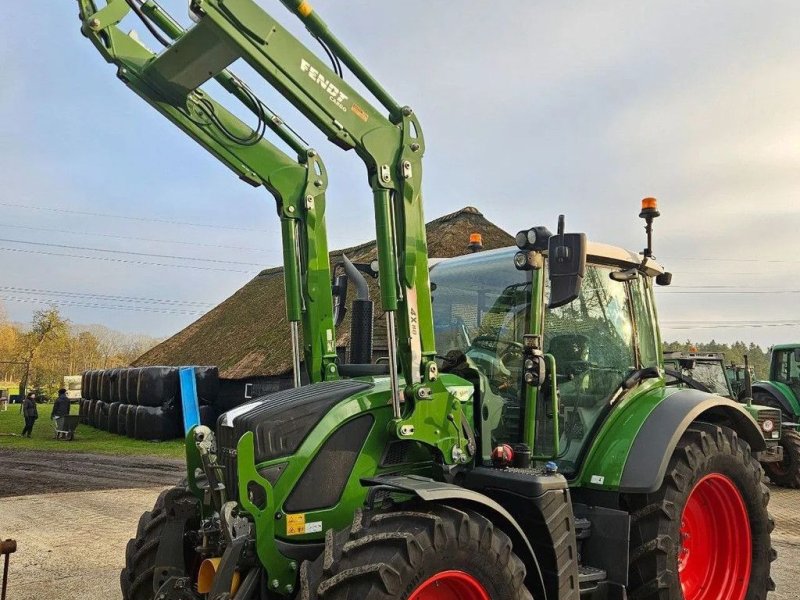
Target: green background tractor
<point>707,372</point>
<point>519,443</point>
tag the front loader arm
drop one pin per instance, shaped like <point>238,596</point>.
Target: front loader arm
<point>298,185</point>
<point>389,141</point>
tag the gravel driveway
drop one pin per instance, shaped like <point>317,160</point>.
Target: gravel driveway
<point>71,543</point>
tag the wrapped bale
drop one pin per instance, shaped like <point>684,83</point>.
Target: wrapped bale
<point>91,394</point>
<point>132,385</point>
<point>113,417</point>
<point>122,386</point>
<point>207,381</point>
<point>130,422</point>
<point>102,416</point>
<point>156,424</point>
<point>96,413</point>
<point>158,386</point>
<point>82,410</point>
<point>122,419</point>
<point>105,386</point>
<point>113,386</point>
<point>90,412</point>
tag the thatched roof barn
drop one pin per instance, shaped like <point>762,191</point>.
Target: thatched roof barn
<point>247,335</point>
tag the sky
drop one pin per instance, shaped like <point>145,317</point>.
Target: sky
<point>530,109</point>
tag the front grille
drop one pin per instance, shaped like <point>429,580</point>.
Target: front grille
<point>770,414</point>
<point>226,457</point>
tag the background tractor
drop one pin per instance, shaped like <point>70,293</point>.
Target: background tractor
<point>519,443</point>
<point>707,372</point>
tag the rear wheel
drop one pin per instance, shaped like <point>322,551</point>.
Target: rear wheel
<point>434,553</point>
<point>705,535</point>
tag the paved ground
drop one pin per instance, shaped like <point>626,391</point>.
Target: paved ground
<point>71,544</point>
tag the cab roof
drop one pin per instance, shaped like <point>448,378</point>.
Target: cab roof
<point>595,253</point>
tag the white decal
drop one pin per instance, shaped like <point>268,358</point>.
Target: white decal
<point>335,95</point>
<point>315,527</point>
<point>598,479</point>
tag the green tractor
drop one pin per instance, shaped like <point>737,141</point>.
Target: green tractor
<point>782,391</point>
<point>706,371</point>
<point>519,442</point>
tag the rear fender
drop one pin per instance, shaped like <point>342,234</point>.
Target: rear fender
<point>659,435</point>
<point>429,490</point>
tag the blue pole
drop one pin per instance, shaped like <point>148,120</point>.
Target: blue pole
<point>191,405</point>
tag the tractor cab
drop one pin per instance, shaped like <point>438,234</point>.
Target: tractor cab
<point>785,367</point>
<point>704,368</point>
<point>488,313</point>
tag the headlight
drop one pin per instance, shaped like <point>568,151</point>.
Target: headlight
<point>768,425</point>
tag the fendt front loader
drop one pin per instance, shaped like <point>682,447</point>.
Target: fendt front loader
<point>519,443</point>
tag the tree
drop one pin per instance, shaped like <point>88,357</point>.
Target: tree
<point>46,325</point>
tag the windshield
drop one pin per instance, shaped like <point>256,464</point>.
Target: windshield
<point>710,373</point>
<point>480,307</point>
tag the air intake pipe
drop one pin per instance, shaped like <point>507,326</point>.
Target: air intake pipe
<point>361,314</point>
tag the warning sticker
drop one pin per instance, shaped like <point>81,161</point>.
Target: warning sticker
<point>295,524</point>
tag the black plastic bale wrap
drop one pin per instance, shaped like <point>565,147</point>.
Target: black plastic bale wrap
<point>81,410</point>
<point>122,419</point>
<point>156,424</point>
<point>92,393</point>
<point>133,385</point>
<point>113,386</point>
<point>84,387</point>
<point>96,413</point>
<point>102,416</point>
<point>122,386</point>
<point>158,386</point>
<point>130,422</point>
<point>113,417</point>
<point>90,412</point>
<point>105,386</point>
<point>207,380</point>
<point>208,416</point>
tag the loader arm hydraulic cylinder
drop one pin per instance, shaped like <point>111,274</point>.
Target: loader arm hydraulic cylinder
<point>298,185</point>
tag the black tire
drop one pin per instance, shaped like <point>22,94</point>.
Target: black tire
<point>703,450</point>
<point>787,472</point>
<point>387,555</point>
<point>136,578</point>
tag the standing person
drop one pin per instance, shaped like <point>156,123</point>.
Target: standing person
<point>61,405</point>
<point>30,412</point>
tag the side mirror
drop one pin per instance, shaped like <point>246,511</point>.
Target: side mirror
<point>566,263</point>
<point>339,290</point>
<point>797,355</point>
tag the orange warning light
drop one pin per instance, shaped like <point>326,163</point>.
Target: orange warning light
<point>649,203</point>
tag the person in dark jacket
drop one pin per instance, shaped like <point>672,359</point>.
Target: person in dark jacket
<point>61,405</point>
<point>30,412</point>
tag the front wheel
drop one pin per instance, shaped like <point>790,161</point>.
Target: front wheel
<point>434,553</point>
<point>786,473</point>
<point>705,535</point>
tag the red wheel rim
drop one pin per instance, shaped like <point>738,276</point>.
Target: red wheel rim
<point>715,555</point>
<point>450,585</point>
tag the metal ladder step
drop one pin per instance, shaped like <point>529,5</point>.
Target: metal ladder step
<point>590,574</point>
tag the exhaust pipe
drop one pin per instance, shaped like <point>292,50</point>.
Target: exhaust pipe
<point>361,323</point>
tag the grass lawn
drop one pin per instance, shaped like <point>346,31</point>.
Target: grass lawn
<point>87,439</point>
